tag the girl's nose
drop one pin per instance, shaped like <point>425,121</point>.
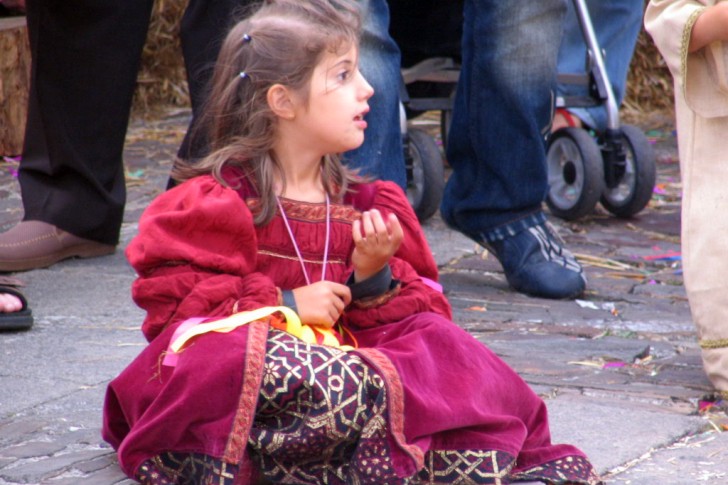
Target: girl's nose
<point>365,89</point>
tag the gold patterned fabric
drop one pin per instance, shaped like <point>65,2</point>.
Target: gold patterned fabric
<point>474,467</point>
<point>568,470</point>
<point>465,467</point>
<point>321,417</point>
<point>186,469</point>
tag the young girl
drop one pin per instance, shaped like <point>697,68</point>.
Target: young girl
<point>692,36</point>
<point>272,220</point>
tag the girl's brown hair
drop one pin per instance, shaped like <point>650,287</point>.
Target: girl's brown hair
<point>281,43</point>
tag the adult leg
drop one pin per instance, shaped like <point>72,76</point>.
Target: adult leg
<point>502,112</point>
<point>203,28</point>
<point>382,154</point>
<point>85,59</point>
<point>617,24</point>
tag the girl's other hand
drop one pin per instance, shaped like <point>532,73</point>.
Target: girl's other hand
<point>321,303</point>
<point>376,241</point>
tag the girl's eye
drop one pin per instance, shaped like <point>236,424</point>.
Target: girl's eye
<point>344,75</point>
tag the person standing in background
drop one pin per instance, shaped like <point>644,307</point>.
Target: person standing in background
<point>501,116</point>
<point>692,37</point>
<point>85,59</point>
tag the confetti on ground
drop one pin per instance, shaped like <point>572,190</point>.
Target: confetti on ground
<point>11,163</point>
<point>478,309</point>
<point>669,256</point>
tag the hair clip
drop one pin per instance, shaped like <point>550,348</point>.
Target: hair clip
<point>243,75</point>
<point>246,38</point>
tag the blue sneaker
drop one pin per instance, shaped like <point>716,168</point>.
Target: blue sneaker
<point>534,260</point>
<point>535,263</point>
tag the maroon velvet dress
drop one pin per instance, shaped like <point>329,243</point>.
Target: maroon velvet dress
<point>419,401</point>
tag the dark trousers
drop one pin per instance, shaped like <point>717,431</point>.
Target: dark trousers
<point>85,60</point>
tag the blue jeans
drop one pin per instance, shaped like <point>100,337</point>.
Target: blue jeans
<point>381,156</point>
<point>617,24</point>
<point>502,112</point>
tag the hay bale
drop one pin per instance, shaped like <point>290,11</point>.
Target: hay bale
<point>162,80</point>
<point>650,91</point>
<point>14,82</point>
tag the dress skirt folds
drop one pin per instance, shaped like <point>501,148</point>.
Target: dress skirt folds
<point>327,416</point>
<point>418,401</point>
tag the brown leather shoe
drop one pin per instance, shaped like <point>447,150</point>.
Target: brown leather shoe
<point>36,244</point>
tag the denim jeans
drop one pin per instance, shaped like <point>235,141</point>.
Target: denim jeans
<point>502,112</point>
<point>617,24</point>
<point>381,156</point>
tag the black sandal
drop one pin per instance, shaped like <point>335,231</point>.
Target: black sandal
<point>20,320</point>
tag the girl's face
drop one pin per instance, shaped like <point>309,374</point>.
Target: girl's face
<point>333,117</point>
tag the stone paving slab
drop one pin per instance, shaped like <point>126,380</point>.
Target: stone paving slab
<point>637,420</point>
<point>696,459</point>
<point>624,431</point>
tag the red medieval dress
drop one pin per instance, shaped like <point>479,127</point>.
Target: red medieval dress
<point>419,401</point>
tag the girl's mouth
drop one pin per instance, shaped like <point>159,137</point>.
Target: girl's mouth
<point>360,121</point>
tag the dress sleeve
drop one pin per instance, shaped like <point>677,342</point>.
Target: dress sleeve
<point>195,256</point>
<point>413,266</point>
<point>700,77</point>
<point>669,23</point>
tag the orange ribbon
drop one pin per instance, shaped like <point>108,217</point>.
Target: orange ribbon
<point>312,334</point>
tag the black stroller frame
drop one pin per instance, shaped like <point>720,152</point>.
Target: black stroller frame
<point>615,167</point>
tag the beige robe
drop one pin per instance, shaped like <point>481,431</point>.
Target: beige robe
<point>701,108</point>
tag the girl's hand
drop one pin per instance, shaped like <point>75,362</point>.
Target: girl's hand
<point>375,242</point>
<point>321,303</point>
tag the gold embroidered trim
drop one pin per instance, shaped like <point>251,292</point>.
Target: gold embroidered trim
<point>310,211</point>
<point>472,466</point>
<point>713,344</point>
<point>685,45</point>
<point>252,377</point>
<point>395,396</point>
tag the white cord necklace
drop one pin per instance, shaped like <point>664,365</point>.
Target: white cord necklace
<point>295,245</point>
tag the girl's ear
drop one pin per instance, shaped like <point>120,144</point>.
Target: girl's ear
<point>281,102</point>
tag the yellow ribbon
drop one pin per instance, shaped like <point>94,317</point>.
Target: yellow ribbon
<point>293,326</point>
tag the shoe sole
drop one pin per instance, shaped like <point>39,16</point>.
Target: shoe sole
<point>79,251</point>
<point>22,320</point>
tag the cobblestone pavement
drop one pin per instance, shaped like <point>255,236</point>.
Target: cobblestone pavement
<point>619,369</point>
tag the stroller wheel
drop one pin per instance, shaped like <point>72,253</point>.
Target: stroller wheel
<point>575,173</point>
<point>425,173</point>
<point>635,186</point>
